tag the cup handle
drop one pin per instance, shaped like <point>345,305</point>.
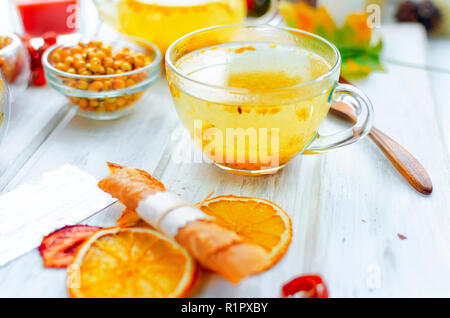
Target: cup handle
<point>363,109</point>
<point>271,17</point>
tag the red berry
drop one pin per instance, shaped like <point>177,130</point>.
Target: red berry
<point>38,76</point>
<point>37,71</point>
<point>50,38</point>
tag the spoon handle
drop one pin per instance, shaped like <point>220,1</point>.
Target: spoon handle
<point>403,161</point>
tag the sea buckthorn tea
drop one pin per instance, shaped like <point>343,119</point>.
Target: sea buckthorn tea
<point>164,21</point>
<point>293,120</point>
<point>253,97</point>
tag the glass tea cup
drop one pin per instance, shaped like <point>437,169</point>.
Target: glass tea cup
<point>253,97</point>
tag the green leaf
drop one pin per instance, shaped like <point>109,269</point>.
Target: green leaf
<point>358,62</point>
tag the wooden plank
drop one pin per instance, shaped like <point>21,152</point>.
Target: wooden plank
<point>347,207</point>
<point>34,115</point>
<point>439,57</point>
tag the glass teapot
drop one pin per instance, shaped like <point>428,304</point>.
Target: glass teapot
<point>164,21</point>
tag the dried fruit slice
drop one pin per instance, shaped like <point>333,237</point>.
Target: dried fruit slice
<point>306,286</point>
<point>258,221</point>
<point>58,248</point>
<point>131,262</point>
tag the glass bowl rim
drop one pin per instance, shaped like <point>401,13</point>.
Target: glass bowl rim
<point>333,70</point>
<point>6,107</point>
<point>13,46</point>
<point>156,62</point>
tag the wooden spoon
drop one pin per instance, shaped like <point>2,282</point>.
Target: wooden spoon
<point>403,161</point>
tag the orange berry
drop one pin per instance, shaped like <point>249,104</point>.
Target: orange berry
<point>130,82</point>
<point>80,64</point>
<point>118,84</point>
<point>107,85</point>
<point>95,68</point>
<point>62,67</point>
<point>118,64</point>
<point>96,86</point>
<point>126,67</point>
<point>55,58</point>
<point>93,102</point>
<point>76,49</point>
<point>69,60</point>
<point>111,107</point>
<point>108,62</point>
<point>121,101</point>
<point>82,84</point>
<point>83,103</point>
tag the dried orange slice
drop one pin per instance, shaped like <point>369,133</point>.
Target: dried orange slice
<point>130,262</point>
<point>258,221</point>
<point>128,218</point>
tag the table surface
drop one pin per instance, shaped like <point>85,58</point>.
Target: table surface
<point>347,207</point>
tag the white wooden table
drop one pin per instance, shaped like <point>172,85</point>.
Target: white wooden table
<point>347,207</point>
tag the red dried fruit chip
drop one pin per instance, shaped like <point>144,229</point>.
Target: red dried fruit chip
<point>401,236</point>
<point>58,248</point>
<point>309,286</point>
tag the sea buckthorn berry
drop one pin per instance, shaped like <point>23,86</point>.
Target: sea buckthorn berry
<point>5,41</point>
<point>82,84</point>
<point>126,67</point>
<point>108,62</point>
<point>76,49</point>
<point>96,86</point>
<point>118,64</point>
<point>95,67</point>
<point>100,109</point>
<point>83,103</point>
<point>100,55</point>
<point>62,67</point>
<point>93,102</point>
<point>78,56</point>
<point>84,71</point>
<point>119,84</point>
<point>101,70</point>
<point>95,60</point>
<point>107,85</point>
<point>80,64</point>
<point>130,82</point>
<point>111,107</point>
<point>121,101</point>
<point>71,83</point>
<point>55,58</point>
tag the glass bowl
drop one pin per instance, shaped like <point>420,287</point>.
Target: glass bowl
<point>4,108</point>
<point>107,102</point>
<point>15,65</point>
